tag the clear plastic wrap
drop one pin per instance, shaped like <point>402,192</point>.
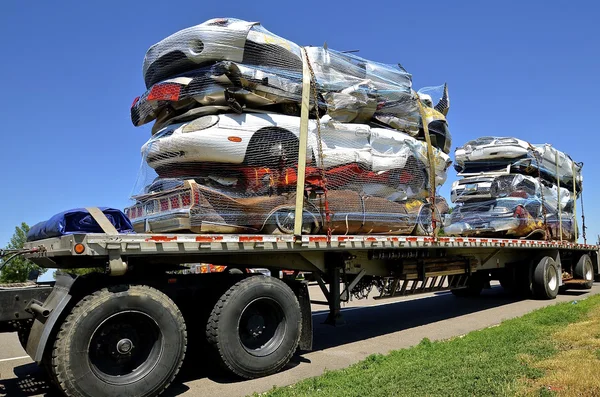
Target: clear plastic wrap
<point>517,217</point>
<point>244,167</point>
<point>499,186</point>
<point>228,65</point>
<point>511,188</point>
<point>225,97</point>
<point>487,154</point>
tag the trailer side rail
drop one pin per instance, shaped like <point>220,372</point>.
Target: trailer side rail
<point>165,244</point>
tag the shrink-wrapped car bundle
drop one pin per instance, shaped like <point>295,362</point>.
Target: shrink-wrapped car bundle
<point>225,99</point>
<point>512,188</point>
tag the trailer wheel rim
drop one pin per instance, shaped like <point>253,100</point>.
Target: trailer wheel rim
<point>552,278</point>
<point>589,273</point>
<point>262,327</point>
<point>424,218</point>
<point>125,347</point>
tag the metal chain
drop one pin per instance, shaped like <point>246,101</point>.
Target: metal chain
<point>537,161</point>
<point>321,167</point>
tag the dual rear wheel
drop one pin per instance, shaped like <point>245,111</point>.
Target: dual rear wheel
<point>543,278</point>
<point>131,340</point>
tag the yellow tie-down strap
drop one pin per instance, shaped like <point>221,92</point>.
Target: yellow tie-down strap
<point>306,78</point>
<point>102,220</point>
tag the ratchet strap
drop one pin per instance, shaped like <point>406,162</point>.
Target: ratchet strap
<point>306,78</point>
<point>102,220</point>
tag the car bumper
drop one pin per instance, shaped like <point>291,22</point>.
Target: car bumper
<point>496,226</point>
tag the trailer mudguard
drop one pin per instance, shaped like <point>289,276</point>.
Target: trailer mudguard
<point>301,291</point>
<point>42,326</point>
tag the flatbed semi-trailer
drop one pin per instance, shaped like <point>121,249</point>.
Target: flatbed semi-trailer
<point>125,328</point>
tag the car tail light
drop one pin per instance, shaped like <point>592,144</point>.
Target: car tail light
<point>136,100</point>
<point>140,211</point>
<point>164,92</point>
<point>519,193</point>
<point>174,202</point>
<point>164,204</point>
<point>186,199</point>
<point>520,212</point>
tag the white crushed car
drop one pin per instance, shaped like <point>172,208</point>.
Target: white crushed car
<point>271,140</point>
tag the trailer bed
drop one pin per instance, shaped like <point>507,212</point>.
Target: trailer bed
<point>147,244</point>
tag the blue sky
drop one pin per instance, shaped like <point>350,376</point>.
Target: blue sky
<point>70,71</point>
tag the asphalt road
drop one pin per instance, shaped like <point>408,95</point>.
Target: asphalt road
<point>371,327</point>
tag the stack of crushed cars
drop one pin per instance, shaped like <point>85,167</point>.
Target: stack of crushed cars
<point>510,188</point>
<point>225,98</point>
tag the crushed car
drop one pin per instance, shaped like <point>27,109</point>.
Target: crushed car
<point>271,141</point>
<point>514,216</point>
<point>229,65</point>
<point>488,154</point>
<point>191,206</point>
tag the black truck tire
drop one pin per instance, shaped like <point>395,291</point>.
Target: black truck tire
<point>516,279</point>
<point>126,340</point>
<point>507,279</point>
<point>584,270</point>
<point>546,279</point>
<point>255,327</point>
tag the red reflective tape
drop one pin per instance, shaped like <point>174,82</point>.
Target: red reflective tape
<point>371,239</point>
<point>208,239</point>
<point>460,240</point>
<point>319,239</point>
<point>412,239</point>
<point>162,238</point>
<point>444,239</point>
<point>251,239</point>
<point>429,240</point>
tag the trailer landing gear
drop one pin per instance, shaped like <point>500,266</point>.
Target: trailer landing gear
<point>334,317</point>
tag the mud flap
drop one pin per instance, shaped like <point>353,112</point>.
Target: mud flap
<point>43,326</point>
<point>301,291</point>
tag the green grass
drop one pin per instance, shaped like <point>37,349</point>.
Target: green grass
<point>497,361</point>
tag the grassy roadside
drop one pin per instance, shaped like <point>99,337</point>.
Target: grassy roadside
<point>554,350</point>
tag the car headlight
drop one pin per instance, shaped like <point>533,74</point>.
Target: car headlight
<point>200,124</point>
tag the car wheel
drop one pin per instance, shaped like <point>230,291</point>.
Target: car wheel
<point>272,147</point>
<point>255,327</point>
<point>584,270</point>
<point>424,225</point>
<point>127,340</point>
<point>283,219</point>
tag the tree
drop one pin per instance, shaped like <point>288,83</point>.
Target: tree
<point>80,271</point>
<point>18,269</point>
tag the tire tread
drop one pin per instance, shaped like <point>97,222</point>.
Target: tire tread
<point>59,365</point>
<point>212,327</point>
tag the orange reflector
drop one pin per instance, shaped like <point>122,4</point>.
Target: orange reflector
<point>79,248</point>
<point>234,138</point>
<point>172,280</point>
